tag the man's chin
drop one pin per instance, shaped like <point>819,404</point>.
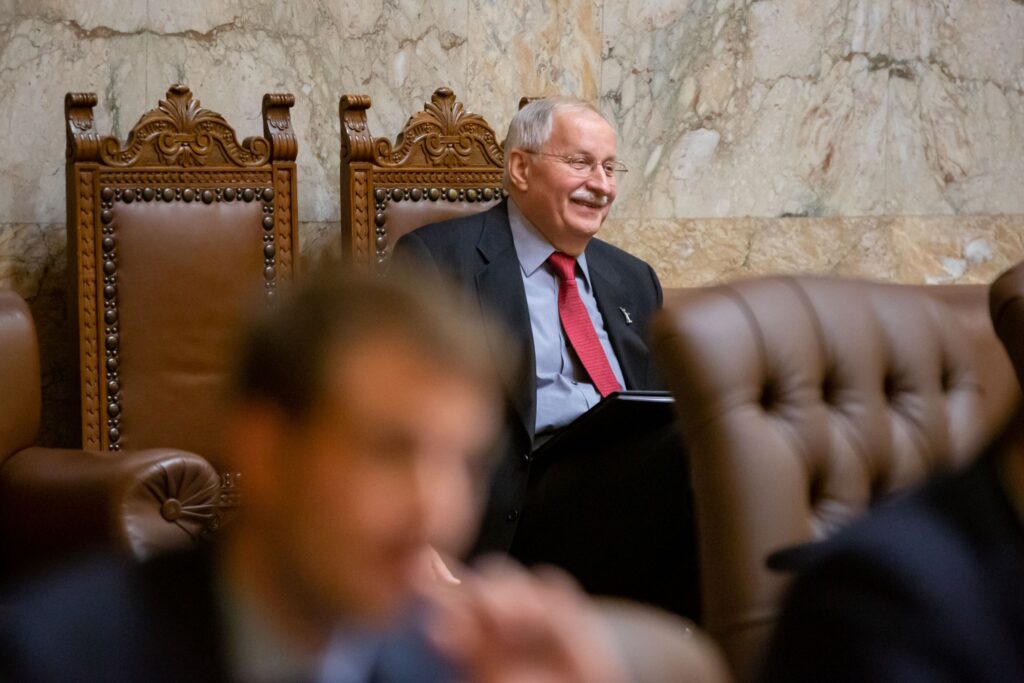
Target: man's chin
<point>385,605</point>
<point>588,228</point>
<point>589,220</point>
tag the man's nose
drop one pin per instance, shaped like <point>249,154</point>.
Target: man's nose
<point>599,181</point>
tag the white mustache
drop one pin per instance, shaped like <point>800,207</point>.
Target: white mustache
<point>584,195</point>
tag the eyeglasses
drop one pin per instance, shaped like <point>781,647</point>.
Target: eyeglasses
<point>584,166</point>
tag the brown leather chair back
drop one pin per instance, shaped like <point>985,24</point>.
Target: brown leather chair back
<point>805,399</point>
<point>445,163</point>
<point>20,398</point>
<point>170,236</point>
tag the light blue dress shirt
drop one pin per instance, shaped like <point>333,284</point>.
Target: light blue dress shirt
<point>564,390</point>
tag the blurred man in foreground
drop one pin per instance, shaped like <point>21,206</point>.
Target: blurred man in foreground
<point>361,413</point>
<point>925,590</point>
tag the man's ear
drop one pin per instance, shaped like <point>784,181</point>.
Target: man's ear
<point>518,169</point>
<point>254,437</point>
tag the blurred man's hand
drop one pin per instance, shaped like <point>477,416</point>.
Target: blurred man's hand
<point>437,569</point>
<point>507,625</point>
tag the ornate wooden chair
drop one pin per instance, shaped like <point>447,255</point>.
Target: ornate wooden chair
<point>169,235</point>
<point>444,163</point>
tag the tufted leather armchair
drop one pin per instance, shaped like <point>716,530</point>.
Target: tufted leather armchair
<point>803,400</point>
<point>56,502</point>
<point>445,163</point>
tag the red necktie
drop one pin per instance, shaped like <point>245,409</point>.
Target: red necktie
<point>579,327</point>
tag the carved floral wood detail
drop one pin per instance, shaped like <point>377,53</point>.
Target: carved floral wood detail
<point>443,154</point>
<point>443,134</point>
<point>180,132</point>
<point>277,126</point>
<point>83,142</point>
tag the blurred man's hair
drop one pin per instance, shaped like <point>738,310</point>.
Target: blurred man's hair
<point>287,345</point>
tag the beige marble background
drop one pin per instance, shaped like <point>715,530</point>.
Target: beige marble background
<point>882,138</point>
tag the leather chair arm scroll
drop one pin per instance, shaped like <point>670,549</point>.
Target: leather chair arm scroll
<point>56,502</point>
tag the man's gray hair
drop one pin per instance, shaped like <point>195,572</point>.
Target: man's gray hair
<point>531,126</point>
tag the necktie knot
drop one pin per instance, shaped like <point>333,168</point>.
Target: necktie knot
<point>565,266</point>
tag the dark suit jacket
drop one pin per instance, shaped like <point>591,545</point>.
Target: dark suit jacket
<point>619,519</point>
<point>927,589</point>
<point>115,621</point>
<point>478,251</point>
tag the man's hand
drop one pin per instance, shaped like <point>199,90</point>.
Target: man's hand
<point>436,571</point>
<point>507,625</point>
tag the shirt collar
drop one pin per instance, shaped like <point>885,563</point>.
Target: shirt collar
<point>532,247</point>
<point>258,651</point>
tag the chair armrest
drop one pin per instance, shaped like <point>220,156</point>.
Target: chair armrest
<point>55,503</point>
<point>658,646</point>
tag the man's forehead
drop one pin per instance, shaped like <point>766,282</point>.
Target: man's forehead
<point>570,117</point>
<point>566,130</point>
<point>373,360</point>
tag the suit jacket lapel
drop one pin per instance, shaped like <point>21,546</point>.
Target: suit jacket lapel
<point>500,287</point>
<point>629,348</point>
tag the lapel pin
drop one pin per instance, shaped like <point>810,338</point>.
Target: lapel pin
<point>626,315</point>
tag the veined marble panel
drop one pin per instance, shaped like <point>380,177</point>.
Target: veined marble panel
<point>319,247</point>
<point>41,60</point>
<point>530,48</point>
<point>726,107</point>
<point>817,107</point>
<point>907,249</point>
<point>726,112</point>
<point>955,249</point>
<point>85,16</point>
<point>967,39</point>
<point>956,114</point>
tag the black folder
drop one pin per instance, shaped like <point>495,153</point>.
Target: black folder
<point>617,417</point>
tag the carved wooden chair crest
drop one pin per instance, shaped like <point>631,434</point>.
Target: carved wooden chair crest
<point>168,235</point>
<point>445,163</point>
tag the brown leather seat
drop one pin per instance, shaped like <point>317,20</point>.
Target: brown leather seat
<point>444,163</point>
<point>805,399</point>
<point>56,502</point>
<point>171,236</point>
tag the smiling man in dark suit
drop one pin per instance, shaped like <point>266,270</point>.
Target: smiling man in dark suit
<point>580,309</point>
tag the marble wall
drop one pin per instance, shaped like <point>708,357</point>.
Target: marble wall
<point>867,137</point>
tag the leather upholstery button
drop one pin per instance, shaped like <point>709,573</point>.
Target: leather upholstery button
<point>171,509</point>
